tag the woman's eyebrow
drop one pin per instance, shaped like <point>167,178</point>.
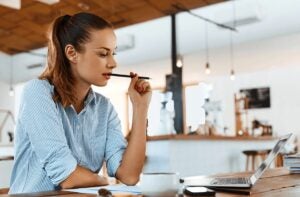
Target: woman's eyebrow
<point>103,48</point>
<point>108,49</point>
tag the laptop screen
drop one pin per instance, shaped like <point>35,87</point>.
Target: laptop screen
<point>265,164</point>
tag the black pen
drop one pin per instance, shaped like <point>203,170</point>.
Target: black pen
<point>121,75</point>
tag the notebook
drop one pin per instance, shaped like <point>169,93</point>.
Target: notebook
<point>238,182</point>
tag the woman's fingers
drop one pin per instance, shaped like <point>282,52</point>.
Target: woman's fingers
<point>146,86</point>
<point>134,80</point>
<point>142,86</point>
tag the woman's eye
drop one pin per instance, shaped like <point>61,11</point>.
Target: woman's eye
<point>103,54</point>
<point>114,53</point>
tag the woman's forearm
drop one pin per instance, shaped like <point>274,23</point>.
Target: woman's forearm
<point>83,177</point>
<point>134,156</point>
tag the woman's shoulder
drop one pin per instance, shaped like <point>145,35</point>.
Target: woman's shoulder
<point>37,86</point>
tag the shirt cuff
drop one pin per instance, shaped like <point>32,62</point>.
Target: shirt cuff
<point>114,162</point>
<point>61,167</point>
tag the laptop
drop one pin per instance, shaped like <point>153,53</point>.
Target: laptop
<point>237,182</point>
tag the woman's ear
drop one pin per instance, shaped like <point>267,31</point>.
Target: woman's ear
<point>71,53</point>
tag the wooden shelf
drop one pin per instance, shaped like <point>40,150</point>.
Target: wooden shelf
<point>205,137</point>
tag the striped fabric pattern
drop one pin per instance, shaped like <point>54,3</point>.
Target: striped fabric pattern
<point>51,140</point>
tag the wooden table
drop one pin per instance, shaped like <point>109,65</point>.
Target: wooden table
<point>275,183</point>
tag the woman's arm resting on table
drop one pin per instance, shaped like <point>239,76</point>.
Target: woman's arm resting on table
<point>134,156</point>
<point>82,177</point>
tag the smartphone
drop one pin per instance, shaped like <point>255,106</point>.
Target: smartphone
<point>198,191</point>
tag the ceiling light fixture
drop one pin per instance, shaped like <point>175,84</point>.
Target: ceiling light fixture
<point>207,66</point>
<point>232,72</point>
<point>232,75</point>
<point>11,89</point>
<point>179,62</point>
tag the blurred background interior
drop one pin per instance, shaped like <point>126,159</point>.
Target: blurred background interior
<point>237,62</point>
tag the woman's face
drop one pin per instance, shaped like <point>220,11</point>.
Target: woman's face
<point>96,59</point>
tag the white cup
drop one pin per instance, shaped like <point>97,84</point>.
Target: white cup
<point>159,183</point>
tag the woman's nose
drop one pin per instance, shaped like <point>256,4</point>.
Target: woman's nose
<point>112,63</point>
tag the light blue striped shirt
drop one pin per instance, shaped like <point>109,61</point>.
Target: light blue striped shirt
<point>51,140</point>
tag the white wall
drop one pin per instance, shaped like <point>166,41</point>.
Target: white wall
<point>6,103</point>
<point>5,64</point>
<point>285,97</point>
<point>274,63</point>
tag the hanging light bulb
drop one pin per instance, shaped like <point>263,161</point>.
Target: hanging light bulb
<point>207,68</point>
<point>232,75</point>
<point>11,91</point>
<point>179,62</point>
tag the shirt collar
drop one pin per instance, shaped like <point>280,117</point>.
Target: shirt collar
<point>90,97</point>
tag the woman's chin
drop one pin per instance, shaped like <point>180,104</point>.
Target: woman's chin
<point>100,84</point>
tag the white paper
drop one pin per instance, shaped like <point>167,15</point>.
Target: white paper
<point>115,189</point>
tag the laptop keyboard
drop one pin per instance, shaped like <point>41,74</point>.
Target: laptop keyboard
<point>227,181</point>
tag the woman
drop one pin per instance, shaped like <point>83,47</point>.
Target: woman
<point>65,131</point>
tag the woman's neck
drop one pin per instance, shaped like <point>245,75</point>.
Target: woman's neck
<point>81,94</point>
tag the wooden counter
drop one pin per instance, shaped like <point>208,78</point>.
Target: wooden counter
<point>190,154</point>
<point>206,137</point>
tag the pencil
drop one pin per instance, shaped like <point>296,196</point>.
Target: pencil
<point>121,75</point>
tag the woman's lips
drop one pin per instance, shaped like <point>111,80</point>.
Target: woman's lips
<point>106,75</point>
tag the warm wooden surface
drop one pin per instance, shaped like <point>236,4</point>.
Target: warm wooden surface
<point>205,137</point>
<point>275,183</point>
<point>25,29</point>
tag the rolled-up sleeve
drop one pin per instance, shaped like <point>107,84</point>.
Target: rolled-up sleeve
<point>44,128</point>
<point>115,143</point>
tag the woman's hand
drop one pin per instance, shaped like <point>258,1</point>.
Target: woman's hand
<point>139,91</point>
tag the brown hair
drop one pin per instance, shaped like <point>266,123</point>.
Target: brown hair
<point>74,30</point>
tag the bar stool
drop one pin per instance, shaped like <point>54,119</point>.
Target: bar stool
<point>253,156</point>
